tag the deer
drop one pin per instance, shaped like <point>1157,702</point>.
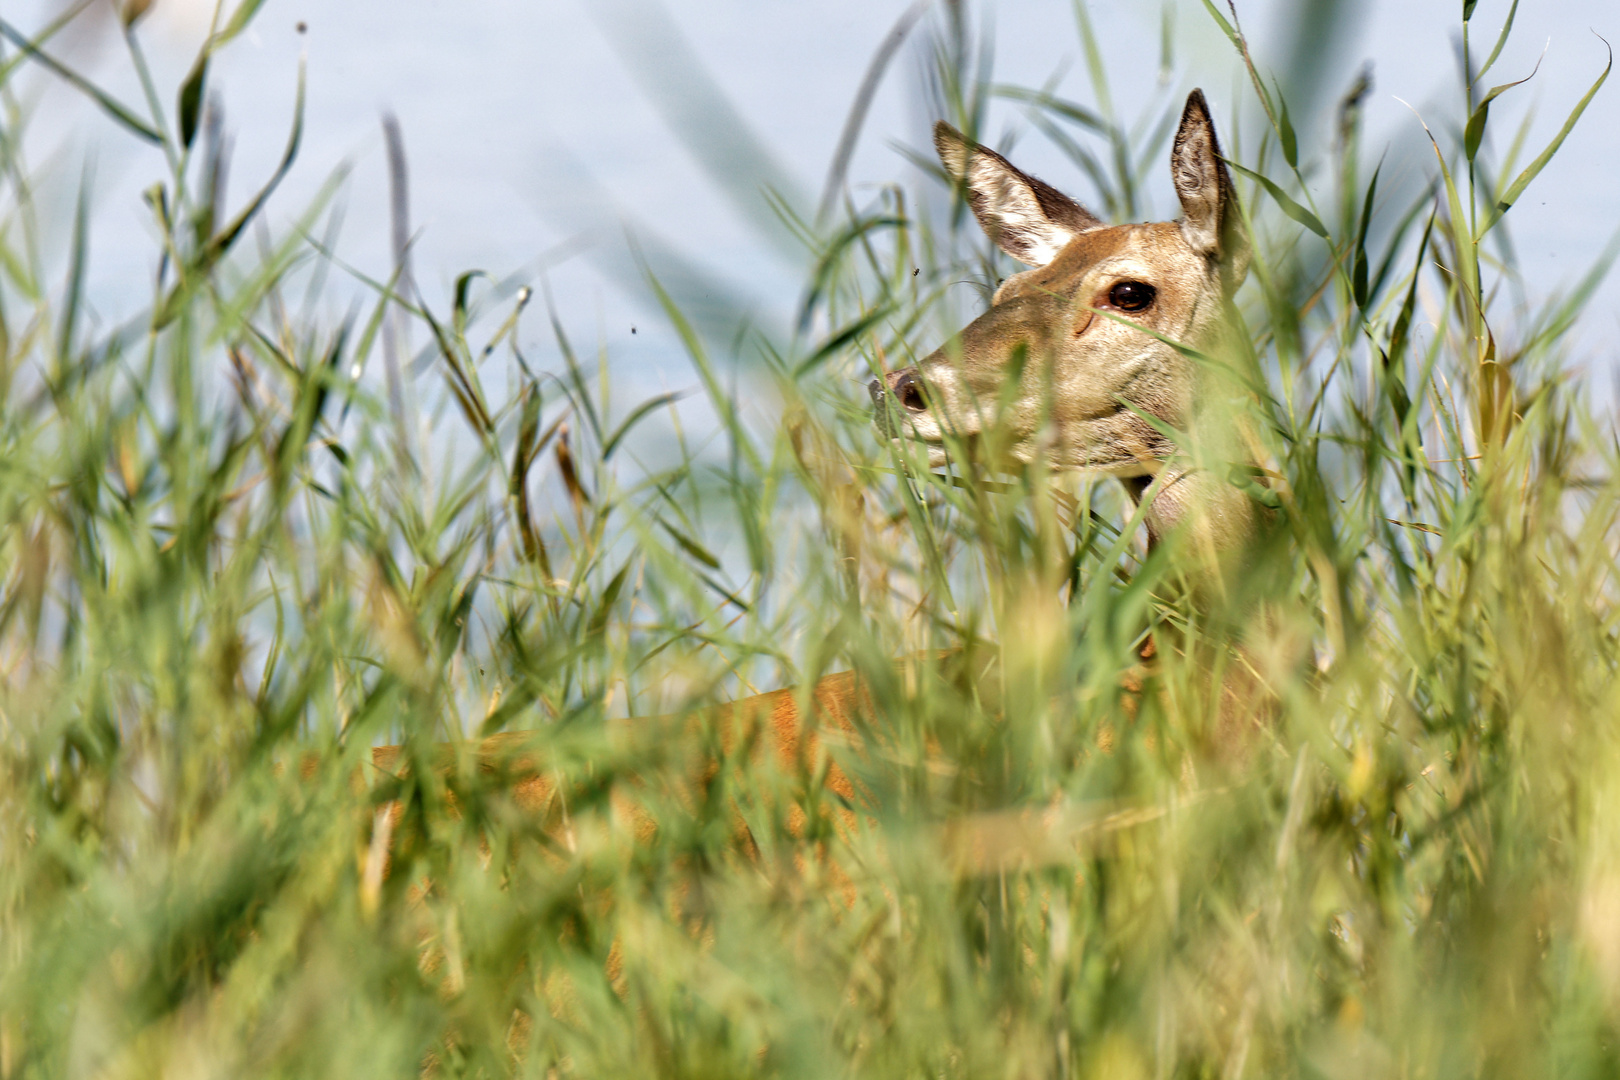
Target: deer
<point>1093,383</point>
<point>1101,332</point>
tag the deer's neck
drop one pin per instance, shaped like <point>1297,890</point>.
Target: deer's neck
<point>1216,516</point>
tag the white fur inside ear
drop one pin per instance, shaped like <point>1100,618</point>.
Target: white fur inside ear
<point>1028,219</point>
<point>1195,172</point>
<point>1012,215</point>
<point>1201,238</point>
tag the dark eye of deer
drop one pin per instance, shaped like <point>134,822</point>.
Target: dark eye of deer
<point>1132,295</point>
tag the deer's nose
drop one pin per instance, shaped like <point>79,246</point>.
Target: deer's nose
<point>904,387</point>
<point>907,390</point>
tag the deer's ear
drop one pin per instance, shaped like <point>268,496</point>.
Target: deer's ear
<point>1028,219</point>
<point>1209,215</point>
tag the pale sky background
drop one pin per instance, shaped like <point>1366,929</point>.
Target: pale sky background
<point>526,125</point>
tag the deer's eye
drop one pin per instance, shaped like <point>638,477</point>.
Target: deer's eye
<point>1132,295</point>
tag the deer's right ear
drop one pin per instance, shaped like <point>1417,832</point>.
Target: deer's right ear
<point>1028,219</point>
<point>1209,221</point>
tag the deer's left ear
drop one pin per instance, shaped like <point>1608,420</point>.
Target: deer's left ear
<point>1028,219</point>
<point>1208,201</point>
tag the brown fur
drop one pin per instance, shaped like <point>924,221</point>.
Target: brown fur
<point>773,725</point>
<point>1091,386</point>
<point>1088,381</point>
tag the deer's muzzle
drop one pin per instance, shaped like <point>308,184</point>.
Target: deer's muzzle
<point>903,390</point>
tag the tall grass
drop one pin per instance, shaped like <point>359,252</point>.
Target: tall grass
<point>233,566</point>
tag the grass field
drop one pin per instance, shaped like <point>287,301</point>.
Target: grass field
<point>234,562</point>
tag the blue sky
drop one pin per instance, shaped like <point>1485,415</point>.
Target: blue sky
<point>529,124</point>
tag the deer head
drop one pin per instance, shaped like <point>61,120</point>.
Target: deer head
<point>1047,371</point>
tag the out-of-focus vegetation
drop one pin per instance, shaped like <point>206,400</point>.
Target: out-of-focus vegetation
<point>233,563</point>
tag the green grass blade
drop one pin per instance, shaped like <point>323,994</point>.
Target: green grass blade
<point>110,105</point>
<point>639,413</point>
<point>191,98</point>
<point>1506,200</point>
<point>1283,200</point>
<point>1501,40</point>
<point>1475,129</point>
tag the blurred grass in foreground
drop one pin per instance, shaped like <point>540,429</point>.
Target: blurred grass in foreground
<point>228,576</point>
